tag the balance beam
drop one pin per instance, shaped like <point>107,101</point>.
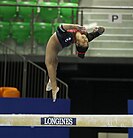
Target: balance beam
<point>65,120</point>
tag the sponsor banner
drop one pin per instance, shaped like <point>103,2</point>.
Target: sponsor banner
<point>58,121</point>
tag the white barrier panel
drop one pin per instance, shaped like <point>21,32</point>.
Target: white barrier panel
<point>62,120</point>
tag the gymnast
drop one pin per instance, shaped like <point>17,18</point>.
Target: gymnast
<point>66,35</point>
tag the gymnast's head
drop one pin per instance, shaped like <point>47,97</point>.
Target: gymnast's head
<point>82,44</point>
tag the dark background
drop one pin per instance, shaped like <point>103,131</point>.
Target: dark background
<point>100,86</point>
<point>97,85</point>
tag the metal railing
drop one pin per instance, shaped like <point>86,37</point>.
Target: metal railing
<point>28,77</point>
<point>112,43</point>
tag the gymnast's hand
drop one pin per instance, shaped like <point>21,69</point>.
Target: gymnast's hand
<point>99,29</point>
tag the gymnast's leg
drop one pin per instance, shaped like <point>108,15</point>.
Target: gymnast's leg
<point>96,32</point>
<point>51,61</point>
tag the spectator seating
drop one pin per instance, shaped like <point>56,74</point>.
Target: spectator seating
<point>4,31</point>
<point>7,13</point>
<point>69,15</point>
<point>10,0</point>
<point>74,1</point>
<point>25,13</point>
<point>48,14</point>
<point>42,32</point>
<point>54,1</point>
<point>55,25</point>
<point>20,31</point>
<point>15,21</point>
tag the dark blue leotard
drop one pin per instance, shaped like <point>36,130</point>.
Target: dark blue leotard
<point>65,37</point>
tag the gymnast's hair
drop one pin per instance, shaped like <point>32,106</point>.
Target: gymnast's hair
<point>81,50</point>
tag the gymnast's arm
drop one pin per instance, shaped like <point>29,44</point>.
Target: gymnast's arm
<point>73,26</point>
<point>96,32</point>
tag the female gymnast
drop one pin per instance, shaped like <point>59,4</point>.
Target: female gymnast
<point>66,35</point>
